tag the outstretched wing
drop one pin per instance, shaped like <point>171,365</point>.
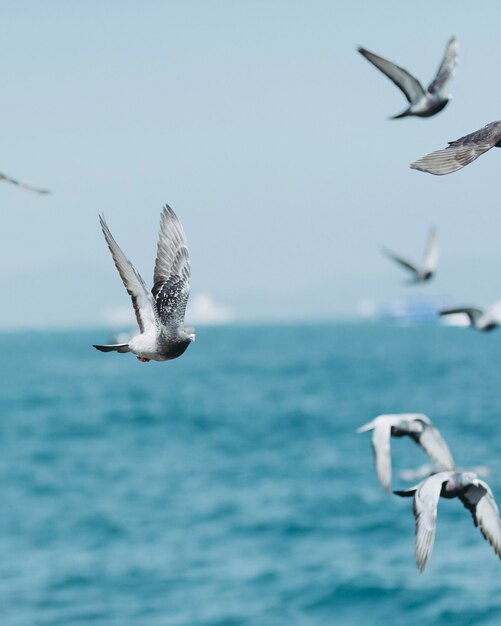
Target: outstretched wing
<point>435,447</point>
<point>460,152</point>
<point>431,256</point>
<point>425,512</point>
<point>472,313</point>
<point>171,277</point>
<point>142,300</point>
<point>449,159</point>
<point>381,436</point>
<point>478,499</point>
<point>447,68</point>
<point>171,298</point>
<point>403,262</point>
<point>410,86</point>
<point>23,185</point>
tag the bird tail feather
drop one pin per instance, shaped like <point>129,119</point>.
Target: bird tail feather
<point>407,493</point>
<point>400,115</point>
<point>366,427</point>
<point>116,347</point>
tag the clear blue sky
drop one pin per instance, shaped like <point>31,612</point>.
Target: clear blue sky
<point>266,132</point>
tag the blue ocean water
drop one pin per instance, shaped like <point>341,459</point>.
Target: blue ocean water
<point>229,488</point>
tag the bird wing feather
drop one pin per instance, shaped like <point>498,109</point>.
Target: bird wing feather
<point>406,82</point>
<point>478,499</point>
<point>171,298</point>
<point>447,67</point>
<point>425,512</point>
<point>473,313</point>
<point>435,447</point>
<point>171,277</point>
<point>142,300</point>
<point>460,152</point>
<point>381,436</point>
<point>172,250</point>
<point>403,262</point>
<point>449,159</point>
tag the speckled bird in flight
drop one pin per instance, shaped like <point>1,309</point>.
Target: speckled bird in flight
<point>159,313</point>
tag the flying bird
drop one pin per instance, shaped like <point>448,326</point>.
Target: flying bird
<point>461,152</point>
<point>422,103</point>
<point>159,313</point>
<point>474,493</point>
<point>481,320</point>
<point>420,274</point>
<point>414,425</point>
<point>22,185</point>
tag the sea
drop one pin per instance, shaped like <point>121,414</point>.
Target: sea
<point>229,487</point>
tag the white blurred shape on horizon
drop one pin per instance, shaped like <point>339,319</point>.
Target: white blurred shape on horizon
<point>119,316</point>
<point>495,310</point>
<point>203,309</point>
<point>367,308</point>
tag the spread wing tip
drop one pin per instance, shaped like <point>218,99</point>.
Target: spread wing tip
<point>435,167</point>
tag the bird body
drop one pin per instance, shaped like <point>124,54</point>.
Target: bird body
<point>460,152</point>
<point>422,102</point>
<point>418,427</point>
<point>474,493</point>
<point>159,313</point>
<point>425,271</point>
<point>428,105</point>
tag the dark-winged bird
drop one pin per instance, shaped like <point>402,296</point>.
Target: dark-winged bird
<point>422,102</point>
<point>460,152</point>
<point>159,313</point>
<point>474,493</point>
<point>418,427</point>
<point>420,273</point>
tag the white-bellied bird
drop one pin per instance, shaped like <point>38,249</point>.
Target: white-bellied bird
<point>474,493</point>
<point>159,313</point>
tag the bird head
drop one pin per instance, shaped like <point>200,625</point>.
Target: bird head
<point>469,478</point>
<point>189,333</point>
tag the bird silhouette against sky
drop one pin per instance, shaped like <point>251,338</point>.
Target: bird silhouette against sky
<point>425,271</point>
<point>422,102</point>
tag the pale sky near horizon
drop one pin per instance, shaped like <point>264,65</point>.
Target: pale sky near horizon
<point>264,129</point>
